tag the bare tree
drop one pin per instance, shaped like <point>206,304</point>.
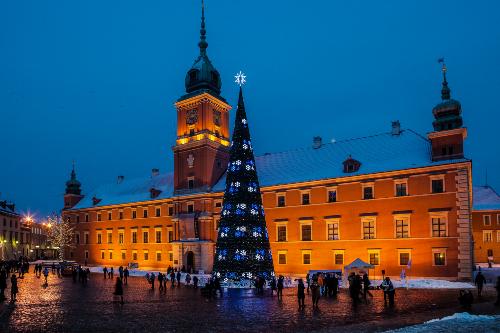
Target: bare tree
<point>60,234</point>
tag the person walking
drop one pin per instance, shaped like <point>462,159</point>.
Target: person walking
<point>479,282</point>
<point>160,281</point>
<point>301,295</point>
<point>178,278</point>
<point>105,271</point>
<point>195,282</point>
<point>152,280</point>
<point>46,274</point>
<point>388,289</point>
<point>280,287</point>
<point>13,288</point>
<point>273,285</point>
<point>120,272</point>
<point>111,273</point>
<point>315,291</point>
<point>188,279</point>
<point>3,283</point>
<point>308,281</point>
<point>497,287</point>
<point>119,289</point>
<point>366,287</point>
<point>125,275</point>
<point>172,278</point>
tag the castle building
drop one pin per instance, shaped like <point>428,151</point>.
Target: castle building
<point>10,230</point>
<point>486,225</point>
<point>396,199</point>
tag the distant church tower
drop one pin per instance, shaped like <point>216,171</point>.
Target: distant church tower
<point>72,195</point>
<point>449,134</point>
<point>201,151</point>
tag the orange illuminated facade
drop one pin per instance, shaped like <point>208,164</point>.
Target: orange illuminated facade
<point>486,225</point>
<point>396,199</point>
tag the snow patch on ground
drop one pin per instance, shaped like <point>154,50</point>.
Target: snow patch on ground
<point>427,284</point>
<point>457,323</point>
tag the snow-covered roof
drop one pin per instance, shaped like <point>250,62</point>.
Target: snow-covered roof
<point>377,153</point>
<point>485,198</point>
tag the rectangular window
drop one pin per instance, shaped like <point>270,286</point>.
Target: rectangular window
<point>146,255</point>
<point>332,231</point>
<point>281,200</point>
<point>134,255</point>
<point>332,195</point>
<point>134,214</point>
<point>98,216</point>
<point>401,189</point>
<point>282,258</point>
<point>338,257</point>
<point>487,236</point>
<point>439,227</point>
<point>374,257</point>
<point>489,252</point>
<point>120,238</point>
<point>170,256</point>
<point>120,214</point>
<point>77,238</point>
<point>158,256</point>
<point>439,257</point>
<point>487,220</point>
<point>402,228</point>
<point>305,199</point>
<point>124,255</point>
<point>145,237</point>
<point>498,219</point>
<point>190,183</point>
<point>86,237</point>
<point>158,236</point>
<point>86,254</point>
<point>110,238</point>
<point>404,258</point>
<point>218,204</point>
<point>498,236</point>
<point>306,257</point>
<point>306,232</point>
<point>190,208</point>
<point>110,216</point>
<point>170,235</point>
<point>134,236</point>
<point>437,185</point>
<point>281,233</point>
<point>110,255</point>
<point>368,229</point>
<point>170,210</point>
<point>102,254</point>
<point>158,211</point>
<point>86,217</point>
<point>99,238</point>
<point>78,219</point>
<point>145,213</point>
<point>367,192</point>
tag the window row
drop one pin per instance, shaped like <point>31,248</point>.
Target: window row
<point>439,228</point>
<point>373,257</point>
<point>488,236</point>
<point>136,236</point>
<point>109,215</point>
<point>367,193</point>
<point>10,223</point>
<point>134,257</point>
<point>487,220</point>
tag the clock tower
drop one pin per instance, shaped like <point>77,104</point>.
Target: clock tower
<point>201,151</point>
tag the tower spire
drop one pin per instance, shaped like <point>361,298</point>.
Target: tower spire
<point>445,90</point>
<point>73,173</point>
<point>203,43</point>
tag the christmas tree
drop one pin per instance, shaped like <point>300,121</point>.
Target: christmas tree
<point>243,251</point>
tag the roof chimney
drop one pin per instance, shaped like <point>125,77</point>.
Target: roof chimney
<point>396,128</point>
<point>155,172</point>
<point>317,142</point>
<point>120,179</point>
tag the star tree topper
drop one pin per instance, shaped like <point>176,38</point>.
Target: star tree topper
<point>240,78</point>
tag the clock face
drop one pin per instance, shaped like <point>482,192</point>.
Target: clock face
<point>217,118</point>
<point>192,117</point>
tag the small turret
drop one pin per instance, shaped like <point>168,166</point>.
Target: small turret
<point>72,195</point>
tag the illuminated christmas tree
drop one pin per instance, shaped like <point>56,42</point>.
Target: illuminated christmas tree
<point>243,251</point>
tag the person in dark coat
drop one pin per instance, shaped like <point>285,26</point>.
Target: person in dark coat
<point>315,291</point>
<point>466,299</point>
<point>13,288</point>
<point>172,278</point>
<point>280,285</point>
<point>126,273</point>
<point>119,289</point>
<point>195,282</point>
<point>366,287</point>
<point>105,271</point>
<point>388,288</point>
<point>497,287</point>
<point>301,295</point>
<point>178,279</point>
<point>333,286</point>
<point>479,281</point>
<point>273,285</point>
<point>3,283</point>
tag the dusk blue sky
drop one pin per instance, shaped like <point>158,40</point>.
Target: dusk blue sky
<point>95,81</point>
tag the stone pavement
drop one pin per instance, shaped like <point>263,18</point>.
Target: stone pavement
<point>64,306</point>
